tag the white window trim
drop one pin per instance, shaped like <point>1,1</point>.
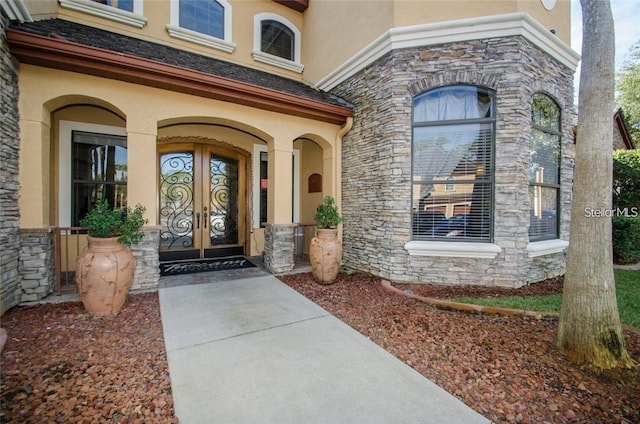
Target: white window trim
<point>136,19</point>
<point>452,249</point>
<point>64,162</point>
<point>260,56</point>
<point>546,247</point>
<point>257,149</point>
<point>175,31</point>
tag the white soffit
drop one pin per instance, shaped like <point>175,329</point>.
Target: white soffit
<point>507,25</point>
<point>16,10</point>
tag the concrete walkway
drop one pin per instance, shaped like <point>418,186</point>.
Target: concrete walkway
<point>243,347</point>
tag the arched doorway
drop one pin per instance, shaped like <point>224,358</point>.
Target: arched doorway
<point>202,201</point>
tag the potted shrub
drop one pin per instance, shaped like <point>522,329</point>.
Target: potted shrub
<point>105,269</point>
<point>325,252</point>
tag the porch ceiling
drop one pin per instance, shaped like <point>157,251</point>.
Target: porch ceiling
<point>73,47</point>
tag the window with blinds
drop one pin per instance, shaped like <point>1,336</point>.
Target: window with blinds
<point>452,164</point>
<point>544,168</point>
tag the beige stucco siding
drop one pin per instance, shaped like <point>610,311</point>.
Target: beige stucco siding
<point>148,114</point>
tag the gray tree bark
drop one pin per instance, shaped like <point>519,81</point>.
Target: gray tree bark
<point>590,332</point>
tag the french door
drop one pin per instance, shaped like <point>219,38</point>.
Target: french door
<point>202,201</point>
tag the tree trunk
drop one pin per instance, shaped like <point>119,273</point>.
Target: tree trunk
<point>589,331</point>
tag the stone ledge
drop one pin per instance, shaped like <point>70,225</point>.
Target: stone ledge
<point>452,249</point>
<point>546,247</point>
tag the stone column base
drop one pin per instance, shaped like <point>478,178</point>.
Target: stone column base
<point>279,248</point>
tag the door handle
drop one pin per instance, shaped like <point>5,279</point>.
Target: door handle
<point>197,220</point>
<point>204,217</point>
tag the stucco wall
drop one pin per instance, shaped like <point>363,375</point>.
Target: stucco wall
<point>9,153</point>
<point>376,182</point>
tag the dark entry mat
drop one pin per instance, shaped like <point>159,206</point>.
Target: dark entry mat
<point>204,265</point>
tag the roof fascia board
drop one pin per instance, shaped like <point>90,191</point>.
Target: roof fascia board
<point>61,54</point>
<point>512,24</point>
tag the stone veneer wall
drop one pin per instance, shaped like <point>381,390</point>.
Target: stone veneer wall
<point>278,247</point>
<point>147,273</point>
<point>9,155</point>
<point>376,159</point>
<point>37,264</point>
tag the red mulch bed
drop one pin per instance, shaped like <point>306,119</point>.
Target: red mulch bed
<point>507,369</point>
<point>61,365</point>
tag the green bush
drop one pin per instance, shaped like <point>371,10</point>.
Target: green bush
<point>626,239</point>
<point>626,179</point>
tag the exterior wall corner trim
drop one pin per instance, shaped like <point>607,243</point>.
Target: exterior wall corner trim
<point>512,24</point>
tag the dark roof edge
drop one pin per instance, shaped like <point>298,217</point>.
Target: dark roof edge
<point>61,54</point>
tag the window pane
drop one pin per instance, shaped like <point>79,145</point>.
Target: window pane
<point>544,214</point>
<point>264,193</point>
<point>453,103</point>
<point>99,171</point>
<point>544,149</point>
<point>204,16</point>
<point>463,151</point>
<point>453,164</point>
<point>546,112</point>
<point>277,39</point>
<point>126,5</point>
<point>544,168</point>
<point>463,213</point>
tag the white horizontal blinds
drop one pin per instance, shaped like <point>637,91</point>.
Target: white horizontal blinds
<point>544,168</point>
<point>452,164</point>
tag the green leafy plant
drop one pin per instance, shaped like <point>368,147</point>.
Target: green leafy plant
<point>327,215</point>
<point>102,221</point>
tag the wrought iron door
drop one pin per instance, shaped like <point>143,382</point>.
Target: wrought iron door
<point>201,202</point>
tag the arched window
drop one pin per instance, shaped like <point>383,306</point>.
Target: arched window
<point>277,39</point>
<point>452,158</point>
<point>544,168</point>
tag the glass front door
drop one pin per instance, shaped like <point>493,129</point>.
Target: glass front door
<point>202,202</point>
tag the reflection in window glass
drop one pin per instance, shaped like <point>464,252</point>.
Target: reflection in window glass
<point>126,5</point>
<point>99,171</point>
<point>453,132</point>
<point>203,16</point>
<point>544,168</point>
<point>277,39</point>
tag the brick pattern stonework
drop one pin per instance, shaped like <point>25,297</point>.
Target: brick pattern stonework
<point>147,273</point>
<point>376,185</point>
<point>37,264</point>
<point>10,289</point>
<point>279,248</point>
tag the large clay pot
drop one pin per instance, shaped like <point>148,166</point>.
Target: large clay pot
<point>325,254</point>
<point>104,273</point>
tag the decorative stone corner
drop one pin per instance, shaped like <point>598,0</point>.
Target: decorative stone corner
<point>279,248</point>
<point>36,263</point>
<point>147,273</point>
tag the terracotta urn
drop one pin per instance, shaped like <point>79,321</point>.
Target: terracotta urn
<point>104,274</point>
<point>325,254</point>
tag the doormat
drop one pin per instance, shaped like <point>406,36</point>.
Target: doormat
<point>204,265</point>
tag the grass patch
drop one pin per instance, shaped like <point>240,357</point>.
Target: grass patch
<point>627,293</point>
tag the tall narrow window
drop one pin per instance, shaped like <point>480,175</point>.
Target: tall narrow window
<point>264,187</point>
<point>99,171</point>
<point>453,138</point>
<point>544,168</point>
<point>277,39</point>
<point>203,16</point>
